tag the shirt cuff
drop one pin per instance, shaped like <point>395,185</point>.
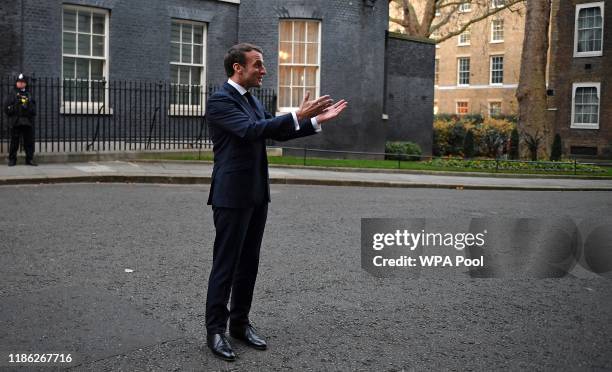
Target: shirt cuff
<point>315,124</point>
<point>295,121</point>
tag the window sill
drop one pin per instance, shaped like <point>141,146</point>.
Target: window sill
<point>587,54</point>
<point>584,126</point>
<point>195,111</point>
<point>78,109</point>
<point>496,41</point>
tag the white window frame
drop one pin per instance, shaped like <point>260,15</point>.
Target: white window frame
<point>495,101</point>
<point>188,109</point>
<point>87,107</point>
<point>491,69</point>
<point>497,4</point>
<point>467,33</point>
<point>465,7</point>
<point>493,40</point>
<point>575,87</point>
<point>599,53</point>
<point>281,109</point>
<point>459,58</point>
<point>466,101</point>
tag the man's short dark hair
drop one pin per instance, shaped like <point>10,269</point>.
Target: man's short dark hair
<point>236,55</point>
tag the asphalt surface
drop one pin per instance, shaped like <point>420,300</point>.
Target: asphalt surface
<point>65,249</point>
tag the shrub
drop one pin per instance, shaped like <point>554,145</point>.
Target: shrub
<point>468,144</point>
<point>555,152</point>
<point>514,144</point>
<point>402,151</point>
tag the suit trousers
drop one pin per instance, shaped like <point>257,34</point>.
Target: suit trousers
<point>27,133</point>
<point>239,232</point>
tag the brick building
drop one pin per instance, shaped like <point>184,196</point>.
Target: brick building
<point>478,71</point>
<point>332,47</point>
<point>580,100</point>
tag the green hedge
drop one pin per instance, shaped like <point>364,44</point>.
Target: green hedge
<point>402,151</point>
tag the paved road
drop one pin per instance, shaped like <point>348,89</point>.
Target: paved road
<point>65,248</point>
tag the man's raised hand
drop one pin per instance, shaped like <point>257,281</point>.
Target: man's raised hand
<point>310,109</point>
<point>332,111</point>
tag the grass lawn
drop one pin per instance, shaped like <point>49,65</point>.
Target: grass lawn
<point>392,164</point>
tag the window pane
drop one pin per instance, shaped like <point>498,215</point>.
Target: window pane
<point>299,53</point>
<point>284,97</point>
<point>197,54</point>
<point>311,77</point>
<point>84,41</point>
<point>284,76</point>
<point>69,43</point>
<point>284,54</point>
<point>313,32</point>
<point>97,71</point>
<point>285,31</point>
<point>299,31</point>
<point>187,29</point>
<point>69,20</point>
<point>98,24</point>
<point>82,68</point>
<point>68,68</point>
<point>186,53</point>
<point>195,75</point>
<point>312,53</point>
<point>184,75</point>
<point>195,95</point>
<point>84,21</point>
<point>175,50</point>
<point>298,77</point>
<point>298,96</point>
<point>198,34</point>
<point>82,90</point>
<point>97,91</point>
<point>98,46</point>
<point>175,34</point>
<point>174,71</point>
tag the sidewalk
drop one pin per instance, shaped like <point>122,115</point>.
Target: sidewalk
<point>200,172</point>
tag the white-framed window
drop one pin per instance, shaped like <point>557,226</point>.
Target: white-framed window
<point>497,30</point>
<point>588,30</point>
<point>462,107</point>
<point>585,105</point>
<point>465,7</point>
<point>463,71</point>
<point>436,71</point>
<point>498,3</point>
<point>495,108</point>
<point>299,61</point>
<point>187,67</point>
<point>464,38</point>
<point>84,60</point>
<point>497,70</point>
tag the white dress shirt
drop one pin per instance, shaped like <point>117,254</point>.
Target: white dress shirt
<point>242,91</point>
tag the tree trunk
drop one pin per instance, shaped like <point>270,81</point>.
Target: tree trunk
<point>535,129</point>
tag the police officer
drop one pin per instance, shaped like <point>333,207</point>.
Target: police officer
<point>21,109</point>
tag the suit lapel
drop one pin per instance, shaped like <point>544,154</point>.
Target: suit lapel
<point>246,107</point>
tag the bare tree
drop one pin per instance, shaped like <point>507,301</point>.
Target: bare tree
<point>444,19</point>
<point>534,126</point>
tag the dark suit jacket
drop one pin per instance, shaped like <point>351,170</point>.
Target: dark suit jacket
<point>240,172</point>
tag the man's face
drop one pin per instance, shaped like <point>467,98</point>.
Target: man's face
<point>251,75</point>
<point>21,84</point>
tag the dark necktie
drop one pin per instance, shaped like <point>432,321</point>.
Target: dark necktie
<point>252,103</point>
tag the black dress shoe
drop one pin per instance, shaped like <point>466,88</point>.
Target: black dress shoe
<point>12,163</point>
<point>249,336</point>
<point>31,162</point>
<point>219,345</point>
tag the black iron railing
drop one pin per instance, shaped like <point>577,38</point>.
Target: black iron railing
<point>84,115</point>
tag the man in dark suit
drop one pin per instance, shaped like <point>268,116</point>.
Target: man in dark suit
<point>240,189</point>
